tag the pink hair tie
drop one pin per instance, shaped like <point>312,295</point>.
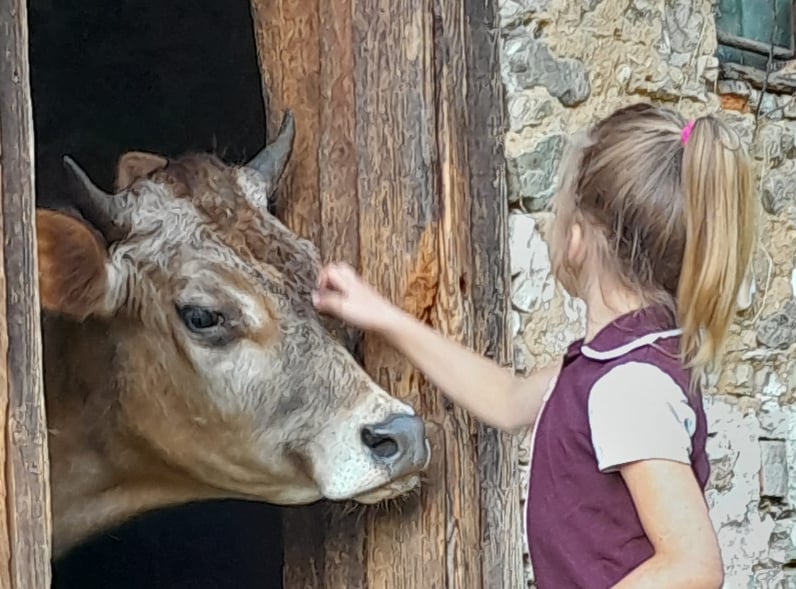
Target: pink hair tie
<point>686,133</point>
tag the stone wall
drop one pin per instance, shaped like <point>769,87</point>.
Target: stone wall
<point>566,63</point>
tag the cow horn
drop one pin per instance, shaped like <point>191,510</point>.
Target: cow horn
<point>270,161</point>
<point>102,210</point>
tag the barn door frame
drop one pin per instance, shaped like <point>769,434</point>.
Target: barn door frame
<point>398,169</point>
<point>25,516</point>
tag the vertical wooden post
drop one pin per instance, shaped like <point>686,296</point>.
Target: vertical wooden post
<point>398,169</point>
<point>24,476</point>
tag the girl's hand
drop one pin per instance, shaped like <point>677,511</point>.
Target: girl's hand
<point>480,386</point>
<point>342,293</point>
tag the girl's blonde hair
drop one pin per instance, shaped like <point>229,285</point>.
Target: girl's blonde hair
<point>671,216</point>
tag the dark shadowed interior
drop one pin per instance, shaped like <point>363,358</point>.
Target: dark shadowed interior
<point>170,77</point>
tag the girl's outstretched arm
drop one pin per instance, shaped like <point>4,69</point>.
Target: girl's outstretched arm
<point>675,517</point>
<point>491,393</point>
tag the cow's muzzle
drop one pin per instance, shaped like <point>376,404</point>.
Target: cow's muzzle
<point>399,443</point>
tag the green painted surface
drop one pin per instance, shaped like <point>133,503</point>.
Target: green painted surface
<point>756,20</point>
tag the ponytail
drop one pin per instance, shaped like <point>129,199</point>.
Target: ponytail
<point>720,217</point>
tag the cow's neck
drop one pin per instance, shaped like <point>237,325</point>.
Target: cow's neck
<point>82,510</point>
<point>100,474</point>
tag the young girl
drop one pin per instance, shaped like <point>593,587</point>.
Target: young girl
<point>654,231</point>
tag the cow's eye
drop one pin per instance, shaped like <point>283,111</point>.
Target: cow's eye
<point>198,319</point>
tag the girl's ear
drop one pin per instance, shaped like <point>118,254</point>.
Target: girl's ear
<point>73,265</point>
<point>576,247</point>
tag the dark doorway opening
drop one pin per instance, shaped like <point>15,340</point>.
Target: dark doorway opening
<point>166,77</point>
<point>216,544</point>
<point>170,77</point>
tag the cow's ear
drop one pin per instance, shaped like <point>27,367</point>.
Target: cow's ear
<point>136,164</point>
<point>73,265</point>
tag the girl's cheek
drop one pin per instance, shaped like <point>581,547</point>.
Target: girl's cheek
<point>560,272</point>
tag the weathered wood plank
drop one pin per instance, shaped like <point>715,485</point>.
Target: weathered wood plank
<point>26,458</point>
<point>344,549</point>
<point>756,46</point>
<point>5,499</point>
<point>411,187</point>
<point>288,47</point>
<point>308,67</point>
<point>337,165</point>
<point>454,309</point>
<point>398,253</point>
<point>304,560</point>
<point>776,81</point>
<point>488,281</point>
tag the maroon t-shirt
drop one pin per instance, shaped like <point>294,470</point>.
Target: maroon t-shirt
<point>583,529</point>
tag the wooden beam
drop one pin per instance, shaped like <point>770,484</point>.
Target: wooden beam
<point>308,66</point>
<point>489,281</point>
<point>405,132</point>
<point>776,81</point>
<point>25,519</point>
<point>401,244</point>
<point>292,79</point>
<point>758,47</point>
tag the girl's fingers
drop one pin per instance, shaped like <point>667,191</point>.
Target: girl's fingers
<point>332,282</point>
<point>327,301</point>
<point>322,279</point>
<point>346,272</point>
<point>327,278</point>
<point>340,277</point>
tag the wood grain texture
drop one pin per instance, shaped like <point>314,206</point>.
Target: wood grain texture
<point>489,284</point>
<point>411,190</point>
<point>337,165</point>
<point>399,213</point>
<point>5,498</point>
<point>289,56</point>
<point>26,462</point>
<point>306,56</point>
<point>304,559</point>
<point>783,80</point>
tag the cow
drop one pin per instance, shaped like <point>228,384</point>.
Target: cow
<point>184,360</point>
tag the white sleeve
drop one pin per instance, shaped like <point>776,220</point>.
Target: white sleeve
<point>638,412</point>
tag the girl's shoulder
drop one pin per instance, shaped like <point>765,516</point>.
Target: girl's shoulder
<point>637,411</point>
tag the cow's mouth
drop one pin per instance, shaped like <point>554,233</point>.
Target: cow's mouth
<point>397,487</point>
<point>391,490</point>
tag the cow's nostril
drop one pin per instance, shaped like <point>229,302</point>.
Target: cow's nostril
<point>381,445</point>
<point>399,443</point>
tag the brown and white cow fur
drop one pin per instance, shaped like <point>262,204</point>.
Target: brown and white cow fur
<point>184,359</point>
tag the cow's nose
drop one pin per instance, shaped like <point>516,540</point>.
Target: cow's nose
<point>399,442</point>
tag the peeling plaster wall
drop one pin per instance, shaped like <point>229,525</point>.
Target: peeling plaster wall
<point>566,63</point>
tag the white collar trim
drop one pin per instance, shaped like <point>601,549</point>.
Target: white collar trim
<point>635,344</point>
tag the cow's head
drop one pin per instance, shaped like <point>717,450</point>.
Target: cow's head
<point>226,371</point>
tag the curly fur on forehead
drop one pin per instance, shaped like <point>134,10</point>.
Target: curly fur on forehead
<point>216,190</point>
